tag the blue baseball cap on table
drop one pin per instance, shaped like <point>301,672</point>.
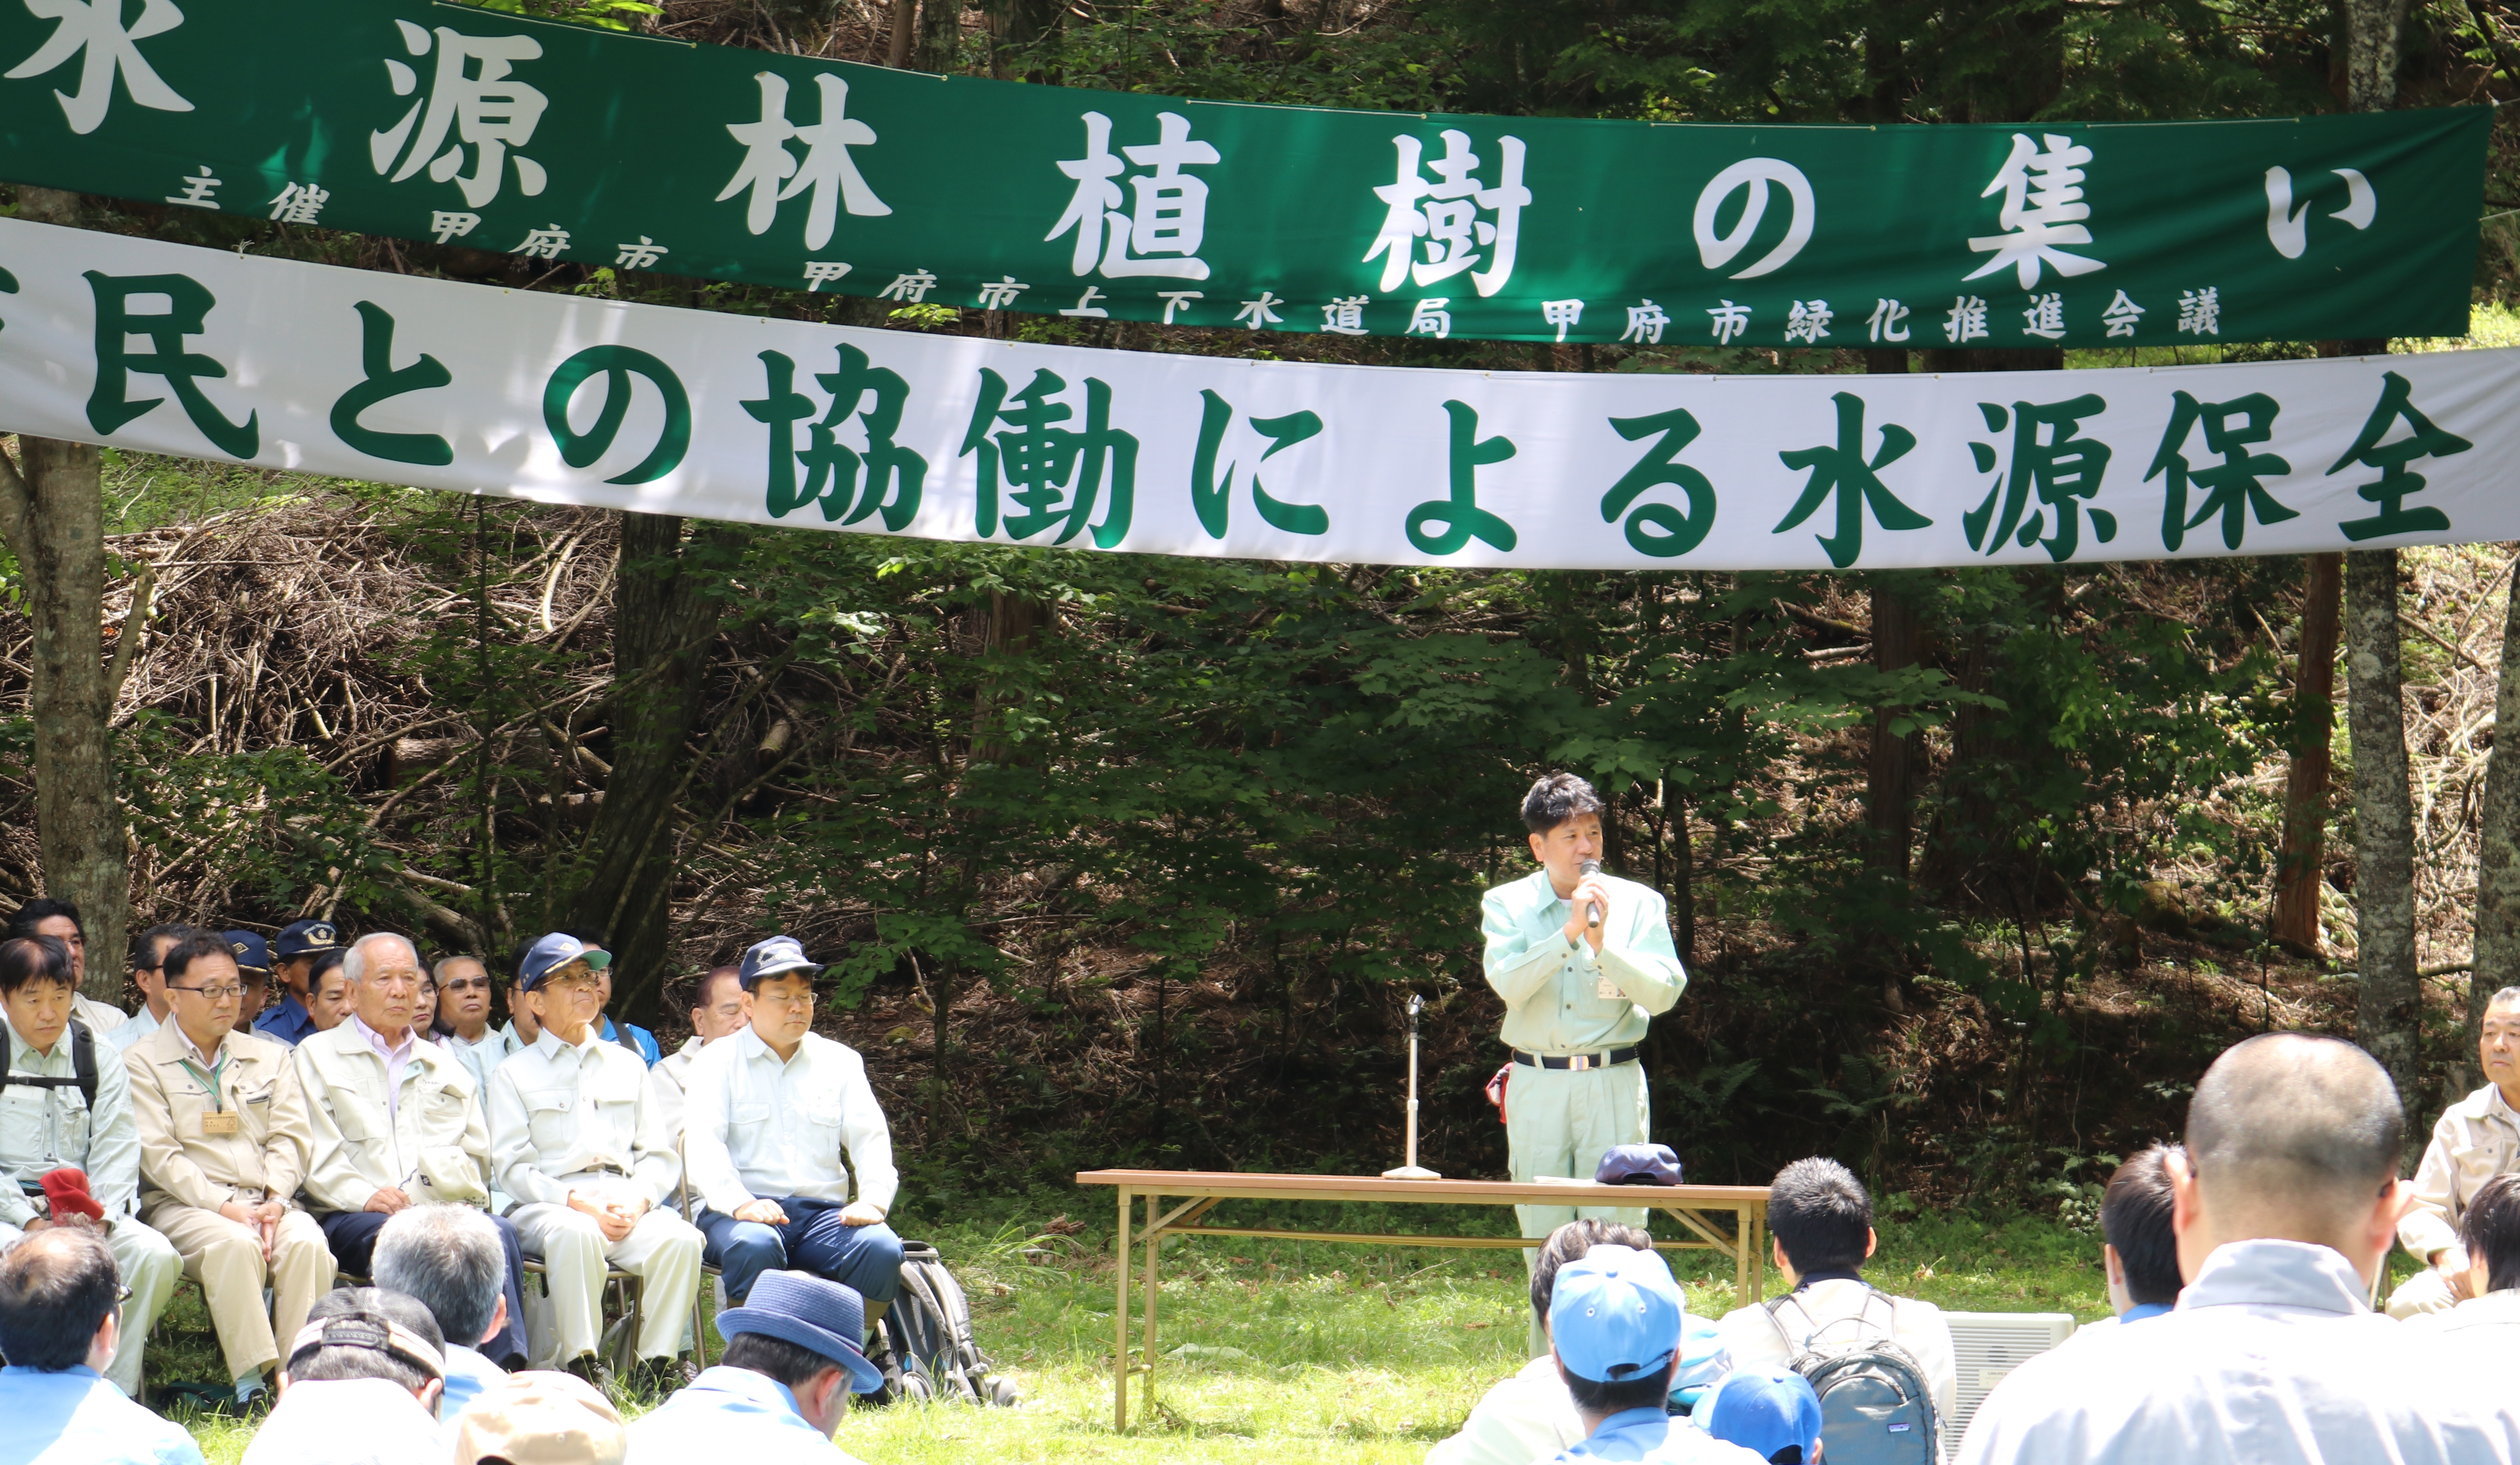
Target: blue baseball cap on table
<point>252,953</point>
<point>1616,1315</point>
<point>1764,1410</point>
<point>1637,1164</point>
<point>550,953</point>
<point>304,938</point>
<point>777,956</point>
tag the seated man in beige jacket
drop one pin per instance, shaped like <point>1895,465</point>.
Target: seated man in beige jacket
<point>577,1146</point>
<point>397,1122</point>
<point>1822,1221</point>
<point>2476,1139</point>
<point>224,1139</point>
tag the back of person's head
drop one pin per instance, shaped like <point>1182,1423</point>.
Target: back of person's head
<point>1822,1216</point>
<point>449,1260</point>
<point>1573,1240</point>
<point>2135,1217</point>
<point>2290,1132</point>
<point>2489,1230</point>
<point>57,1287</point>
<point>542,1419</point>
<point>790,1363</point>
<point>1615,1320</point>
<point>367,1333</point>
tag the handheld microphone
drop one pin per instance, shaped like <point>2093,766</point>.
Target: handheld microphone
<point>1593,908</point>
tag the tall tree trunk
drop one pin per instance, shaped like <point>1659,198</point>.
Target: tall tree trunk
<point>664,618</point>
<point>1888,791</point>
<point>2295,921</point>
<point>2498,861</point>
<point>2387,1018</point>
<point>52,512</point>
<point>940,34</point>
<point>1014,624</point>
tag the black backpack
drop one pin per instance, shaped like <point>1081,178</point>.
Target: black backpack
<point>1875,1405</point>
<point>82,1067</point>
<point>928,1335</point>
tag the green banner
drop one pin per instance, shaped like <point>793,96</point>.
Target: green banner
<point>556,141</point>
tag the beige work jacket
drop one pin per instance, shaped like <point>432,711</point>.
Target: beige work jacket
<point>433,1143</point>
<point>2478,1138</point>
<point>179,1163</point>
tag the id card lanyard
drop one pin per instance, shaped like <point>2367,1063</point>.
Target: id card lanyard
<point>218,1120</point>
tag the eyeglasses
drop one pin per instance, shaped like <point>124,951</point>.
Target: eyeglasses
<point>214,993</point>
<point>469,984</point>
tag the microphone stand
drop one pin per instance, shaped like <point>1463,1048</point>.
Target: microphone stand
<point>1412,1170</point>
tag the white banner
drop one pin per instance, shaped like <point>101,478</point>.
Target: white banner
<point>361,375</point>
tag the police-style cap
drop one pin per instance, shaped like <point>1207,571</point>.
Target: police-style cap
<point>1616,1315</point>
<point>554,952</point>
<point>252,953</point>
<point>774,957</point>
<point>304,938</point>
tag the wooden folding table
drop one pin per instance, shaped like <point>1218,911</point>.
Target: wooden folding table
<point>1199,1192</point>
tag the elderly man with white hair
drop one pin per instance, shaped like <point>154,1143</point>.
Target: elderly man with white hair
<point>398,1121</point>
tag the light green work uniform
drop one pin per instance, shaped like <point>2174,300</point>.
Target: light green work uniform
<point>1561,1000</point>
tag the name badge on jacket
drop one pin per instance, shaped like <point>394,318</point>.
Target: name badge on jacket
<point>1604,988</point>
<point>215,1122</point>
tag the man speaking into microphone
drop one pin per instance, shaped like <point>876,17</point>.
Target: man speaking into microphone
<point>1582,960</point>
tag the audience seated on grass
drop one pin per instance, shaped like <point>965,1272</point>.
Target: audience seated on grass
<point>2488,1323</point>
<point>360,1387</point>
<point>1822,1221</point>
<point>1614,1330</point>
<point>2139,1252</point>
<point>451,1260</point>
<point>1529,1415</point>
<point>2286,1201</point>
<point>791,1363</point>
<point>2477,1138</point>
<point>60,1323</point>
<point>1771,1412</point>
<point>545,1419</point>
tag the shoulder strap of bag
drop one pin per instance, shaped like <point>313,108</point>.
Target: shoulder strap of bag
<point>83,1061</point>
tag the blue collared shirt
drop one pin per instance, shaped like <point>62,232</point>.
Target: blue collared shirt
<point>730,1414</point>
<point>468,1374</point>
<point>2141,1311</point>
<point>636,1038</point>
<point>288,1023</point>
<point>75,1417</point>
<point>1651,1437</point>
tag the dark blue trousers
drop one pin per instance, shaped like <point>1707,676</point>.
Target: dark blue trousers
<point>864,1259</point>
<point>354,1238</point>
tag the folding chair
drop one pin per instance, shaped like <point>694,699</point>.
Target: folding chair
<point>631,1291</point>
<point>715,1276</point>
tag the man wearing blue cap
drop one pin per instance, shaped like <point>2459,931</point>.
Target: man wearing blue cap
<point>576,1142</point>
<point>294,952</point>
<point>776,1194</point>
<point>792,1363</point>
<point>254,975</point>
<point>1614,1323</point>
<point>1771,1412</point>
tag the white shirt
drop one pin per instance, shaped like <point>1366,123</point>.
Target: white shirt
<point>561,1114</point>
<point>666,1079</point>
<point>483,1058</point>
<point>757,1127</point>
<point>100,1019</point>
<point>1917,1327</point>
<point>122,1035</point>
<point>347,1422</point>
<point>2271,1358</point>
<point>2487,1327</point>
<point>1525,1417</point>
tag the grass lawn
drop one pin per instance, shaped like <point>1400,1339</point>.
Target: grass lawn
<point>1293,1351</point>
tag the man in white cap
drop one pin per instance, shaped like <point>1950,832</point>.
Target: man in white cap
<point>792,1363</point>
<point>770,1115</point>
<point>575,1139</point>
<point>1614,1323</point>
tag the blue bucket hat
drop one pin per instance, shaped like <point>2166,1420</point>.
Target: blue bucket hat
<point>1764,1410</point>
<point>252,953</point>
<point>777,956</point>
<point>552,952</point>
<point>304,938</point>
<point>1615,1316</point>
<point>822,1317</point>
<point>1637,1164</point>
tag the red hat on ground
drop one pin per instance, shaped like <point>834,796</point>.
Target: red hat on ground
<point>67,1190</point>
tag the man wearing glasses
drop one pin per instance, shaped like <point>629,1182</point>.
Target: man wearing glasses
<point>224,1139</point>
<point>66,1114</point>
<point>463,1018</point>
<point>577,1143</point>
<point>772,1112</point>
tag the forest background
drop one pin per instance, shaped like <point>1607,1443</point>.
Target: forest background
<point>1124,860</point>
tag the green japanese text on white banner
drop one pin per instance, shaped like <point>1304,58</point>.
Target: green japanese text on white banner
<point>167,348</point>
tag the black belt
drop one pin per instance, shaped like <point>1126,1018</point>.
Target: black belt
<point>1578,1062</point>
